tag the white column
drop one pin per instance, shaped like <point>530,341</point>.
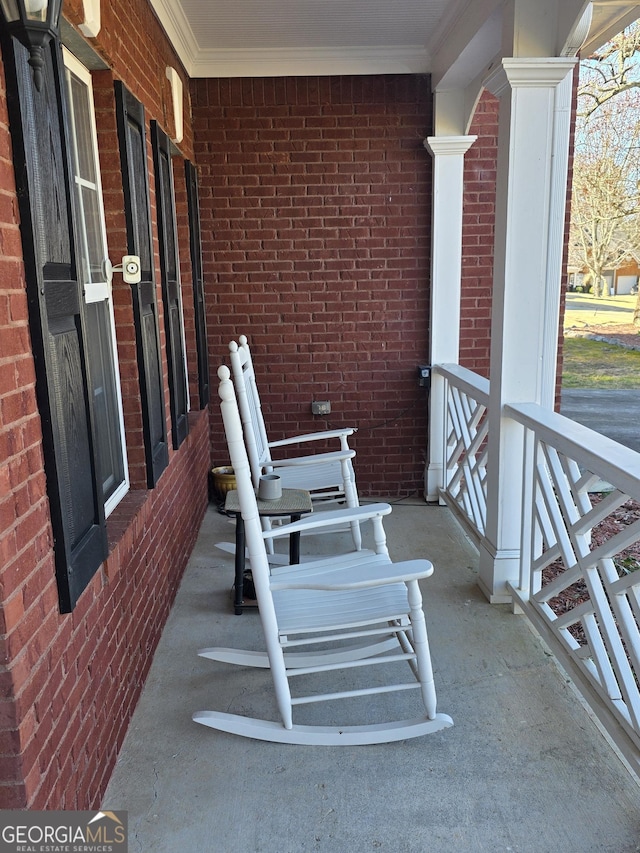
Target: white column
<point>533,149</point>
<point>446,267</point>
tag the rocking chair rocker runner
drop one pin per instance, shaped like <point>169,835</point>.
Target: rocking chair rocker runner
<point>328,476</point>
<point>344,600</point>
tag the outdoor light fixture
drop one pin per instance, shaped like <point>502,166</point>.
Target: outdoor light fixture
<point>33,22</point>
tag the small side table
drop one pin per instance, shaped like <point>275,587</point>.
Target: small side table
<point>294,503</point>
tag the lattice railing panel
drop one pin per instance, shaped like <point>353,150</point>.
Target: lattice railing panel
<point>581,586</point>
<point>579,578</point>
<point>466,455</point>
<point>580,572</point>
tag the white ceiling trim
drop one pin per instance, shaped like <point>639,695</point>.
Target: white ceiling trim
<point>311,61</point>
<point>172,17</point>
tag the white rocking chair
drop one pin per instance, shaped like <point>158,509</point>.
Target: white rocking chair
<point>328,476</point>
<point>346,599</point>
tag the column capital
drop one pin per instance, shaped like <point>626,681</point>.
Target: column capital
<point>448,145</point>
<point>533,73</point>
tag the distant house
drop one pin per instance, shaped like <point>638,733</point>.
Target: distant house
<point>621,281</point>
<point>625,278</point>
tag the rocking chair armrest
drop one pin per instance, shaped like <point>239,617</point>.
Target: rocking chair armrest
<point>313,436</point>
<point>314,459</point>
<point>355,577</point>
<point>319,520</point>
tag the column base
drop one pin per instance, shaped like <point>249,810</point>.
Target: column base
<point>433,482</point>
<point>497,570</point>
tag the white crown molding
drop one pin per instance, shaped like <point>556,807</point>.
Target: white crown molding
<point>311,62</point>
<point>443,146</point>
<point>528,73</point>
<point>179,32</point>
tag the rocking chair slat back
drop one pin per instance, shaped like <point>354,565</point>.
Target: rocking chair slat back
<point>329,476</point>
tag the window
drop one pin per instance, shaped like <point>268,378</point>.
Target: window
<point>191,177</point>
<point>137,207</point>
<point>92,246</point>
<point>171,291</point>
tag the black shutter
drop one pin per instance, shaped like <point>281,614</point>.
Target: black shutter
<point>135,178</point>
<point>199,306</point>
<point>169,271</point>
<point>57,323</point>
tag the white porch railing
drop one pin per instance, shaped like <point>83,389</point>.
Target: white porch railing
<point>465,464</point>
<point>579,580</point>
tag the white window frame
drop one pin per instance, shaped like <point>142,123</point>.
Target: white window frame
<point>97,291</point>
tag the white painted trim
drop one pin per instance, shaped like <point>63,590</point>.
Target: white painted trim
<point>271,62</point>
<point>446,269</point>
<point>528,73</point>
<point>557,214</point>
<point>530,206</point>
<point>456,146</point>
<point>91,24</point>
<point>177,99</point>
<point>102,290</point>
<point>172,17</point>
<point>578,34</point>
<point>469,48</point>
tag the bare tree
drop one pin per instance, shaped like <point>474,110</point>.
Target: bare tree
<point>605,196</point>
<point>610,71</point>
<point>605,202</point>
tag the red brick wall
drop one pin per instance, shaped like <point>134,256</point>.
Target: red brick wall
<point>315,196</point>
<point>567,227</point>
<point>478,237</point>
<point>69,684</point>
<point>25,537</point>
<point>75,679</point>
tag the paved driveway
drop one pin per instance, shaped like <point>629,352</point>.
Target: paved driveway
<point>615,414</point>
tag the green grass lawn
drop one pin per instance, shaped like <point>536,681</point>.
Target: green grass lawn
<point>583,309</point>
<point>594,364</point>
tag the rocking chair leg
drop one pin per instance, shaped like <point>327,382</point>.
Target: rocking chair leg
<point>421,648</point>
<point>357,536</point>
<point>238,591</point>
<point>351,497</point>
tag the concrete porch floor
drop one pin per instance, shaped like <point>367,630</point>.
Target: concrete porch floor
<point>523,769</point>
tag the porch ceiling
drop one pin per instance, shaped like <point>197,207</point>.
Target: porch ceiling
<point>234,38</point>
